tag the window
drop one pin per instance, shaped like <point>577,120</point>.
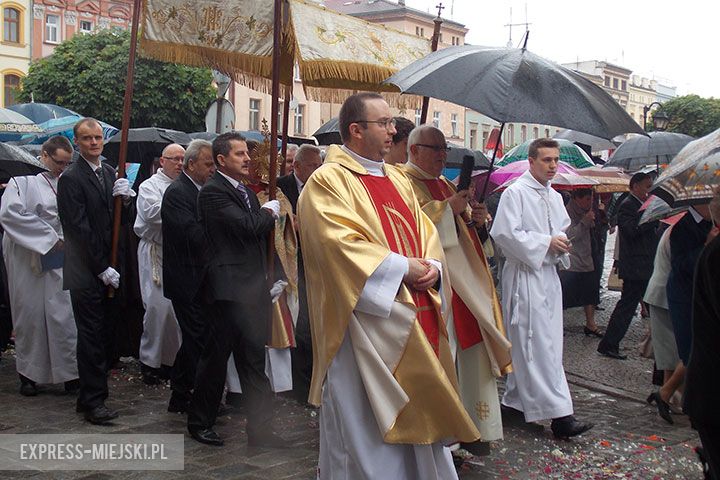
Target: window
<point>454,124</point>
<point>418,116</point>
<point>281,109</point>
<point>296,73</point>
<point>523,133</point>
<point>547,133</point>
<point>436,119</point>
<point>11,25</point>
<point>473,136</point>
<point>299,111</point>
<point>486,135</point>
<point>615,83</point>
<point>624,85</point>
<point>254,123</point>
<point>52,29</point>
<point>535,133</point>
<point>510,138</point>
<point>420,31</point>
<point>86,26</point>
<point>11,85</point>
<point>607,81</point>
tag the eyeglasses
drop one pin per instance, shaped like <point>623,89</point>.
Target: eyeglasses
<point>59,163</point>
<point>437,148</point>
<point>386,122</point>
<point>175,159</point>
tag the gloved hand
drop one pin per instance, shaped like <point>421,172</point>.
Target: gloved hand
<point>277,289</point>
<point>273,206</point>
<point>110,277</point>
<point>121,188</point>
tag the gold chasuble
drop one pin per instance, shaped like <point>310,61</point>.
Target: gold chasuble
<point>477,313</point>
<point>349,223</point>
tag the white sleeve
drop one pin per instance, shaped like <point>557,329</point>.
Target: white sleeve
<point>382,286</point>
<point>148,222</point>
<point>20,221</point>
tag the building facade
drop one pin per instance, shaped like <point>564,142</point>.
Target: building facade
<point>15,51</point>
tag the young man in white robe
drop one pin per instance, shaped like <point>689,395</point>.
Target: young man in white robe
<point>529,228</point>
<point>161,335</point>
<point>45,332</point>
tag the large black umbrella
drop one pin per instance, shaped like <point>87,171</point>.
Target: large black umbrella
<point>144,144</point>
<point>659,148</point>
<point>515,85</point>
<point>456,154</point>
<point>329,133</point>
<point>14,161</point>
<point>42,112</point>
<point>595,143</point>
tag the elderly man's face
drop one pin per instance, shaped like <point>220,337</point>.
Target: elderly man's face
<point>305,167</point>
<point>289,160</point>
<point>430,152</point>
<point>202,168</point>
<point>171,160</point>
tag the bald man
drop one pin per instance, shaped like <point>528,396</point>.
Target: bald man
<point>161,336</point>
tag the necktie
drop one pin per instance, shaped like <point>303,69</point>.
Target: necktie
<point>243,193</point>
<point>101,178</point>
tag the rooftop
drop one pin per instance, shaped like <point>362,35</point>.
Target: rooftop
<point>362,8</point>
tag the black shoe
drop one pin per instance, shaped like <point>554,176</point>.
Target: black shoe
<point>595,333</point>
<point>72,387</point>
<point>150,376</point>
<point>611,354</point>
<point>28,389</point>
<point>662,406</point>
<point>566,427</point>
<point>516,418</point>
<point>177,404</point>
<point>206,436</point>
<point>224,409</point>
<point>478,448</point>
<point>100,415</point>
<point>267,439</point>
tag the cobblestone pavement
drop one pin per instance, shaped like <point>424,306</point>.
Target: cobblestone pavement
<point>629,441</point>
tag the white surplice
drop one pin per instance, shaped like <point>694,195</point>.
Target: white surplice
<point>528,216</point>
<point>161,335</point>
<point>45,332</point>
<point>351,446</point>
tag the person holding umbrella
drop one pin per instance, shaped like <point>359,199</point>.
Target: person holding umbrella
<point>530,230</point>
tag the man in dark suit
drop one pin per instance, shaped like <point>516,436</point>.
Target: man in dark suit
<point>184,263</point>
<point>238,294</point>
<point>702,382</point>
<point>85,204</point>
<point>637,254</point>
<point>307,160</point>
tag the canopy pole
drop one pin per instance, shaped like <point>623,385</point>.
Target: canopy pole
<point>492,163</point>
<point>285,125</point>
<point>433,47</point>
<point>127,104</point>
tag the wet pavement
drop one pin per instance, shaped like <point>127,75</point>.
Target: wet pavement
<point>630,440</point>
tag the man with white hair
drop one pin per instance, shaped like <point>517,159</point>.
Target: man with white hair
<point>475,324</point>
<point>160,339</point>
<point>290,152</point>
<point>307,160</point>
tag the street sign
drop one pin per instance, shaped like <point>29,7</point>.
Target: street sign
<point>220,123</point>
<point>222,81</point>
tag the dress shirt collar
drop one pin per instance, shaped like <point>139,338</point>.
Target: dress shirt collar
<point>232,181</point>
<point>92,165</point>
<point>299,184</point>
<point>376,169</point>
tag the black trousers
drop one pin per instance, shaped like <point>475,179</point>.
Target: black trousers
<point>710,438</point>
<point>193,325</point>
<point>95,352</point>
<point>632,294</point>
<point>231,330</point>
<point>302,359</point>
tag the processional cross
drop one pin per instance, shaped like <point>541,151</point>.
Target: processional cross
<point>440,8</point>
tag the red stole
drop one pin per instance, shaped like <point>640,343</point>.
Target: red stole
<point>403,238</point>
<point>466,325</point>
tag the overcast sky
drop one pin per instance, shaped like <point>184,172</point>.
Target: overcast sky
<point>674,42</point>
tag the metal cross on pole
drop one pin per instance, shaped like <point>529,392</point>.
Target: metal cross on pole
<point>433,47</point>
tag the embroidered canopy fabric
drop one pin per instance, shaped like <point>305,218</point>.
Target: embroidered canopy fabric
<point>336,53</point>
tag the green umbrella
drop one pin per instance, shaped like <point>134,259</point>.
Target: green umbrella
<point>569,153</point>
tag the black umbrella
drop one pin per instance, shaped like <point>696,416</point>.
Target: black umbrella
<point>515,85</point>
<point>15,161</point>
<point>659,148</point>
<point>595,143</point>
<point>456,154</point>
<point>144,144</point>
<point>329,133</point>
<point>42,112</point>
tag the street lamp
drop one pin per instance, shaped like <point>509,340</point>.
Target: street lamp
<point>660,120</point>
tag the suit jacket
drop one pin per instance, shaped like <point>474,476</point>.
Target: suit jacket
<point>637,242</point>
<point>184,243</point>
<point>288,185</point>
<point>237,237</point>
<point>86,214</point>
<point>702,381</point>
<point>687,240</point>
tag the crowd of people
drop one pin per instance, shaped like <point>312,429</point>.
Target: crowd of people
<point>365,288</point>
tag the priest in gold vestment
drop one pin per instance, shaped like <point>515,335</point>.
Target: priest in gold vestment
<point>475,324</point>
<point>383,371</point>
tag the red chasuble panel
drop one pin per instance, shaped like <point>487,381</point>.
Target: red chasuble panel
<point>403,238</point>
<point>466,325</point>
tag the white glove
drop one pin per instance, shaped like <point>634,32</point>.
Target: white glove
<point>110,277</point>
<point>121,188</point>
<point>273,206</point>
<point>277,289</point>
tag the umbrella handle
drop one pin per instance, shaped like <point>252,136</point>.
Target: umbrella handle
<point>492,163</point>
